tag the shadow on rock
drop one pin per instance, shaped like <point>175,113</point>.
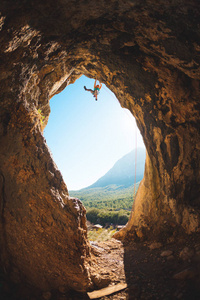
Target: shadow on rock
<point>157,271</point>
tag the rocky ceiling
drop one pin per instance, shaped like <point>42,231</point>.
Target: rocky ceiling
<point>148,54</point>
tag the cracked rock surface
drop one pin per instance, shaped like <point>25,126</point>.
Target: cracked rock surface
<point>148,54</point>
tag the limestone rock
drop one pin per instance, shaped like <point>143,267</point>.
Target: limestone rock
<point>46,295</point>
<point>166,253</point>
<point>197,247</point>
<point>185,274</point>
<point>186,253</point>
<point>148,55</point>
<point>155,245</point>
<point>170,257</point>
<point>100,281</point>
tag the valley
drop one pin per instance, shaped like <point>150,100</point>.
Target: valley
<point>109,200</point>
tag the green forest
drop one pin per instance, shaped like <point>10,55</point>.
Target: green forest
<point>107,205</point>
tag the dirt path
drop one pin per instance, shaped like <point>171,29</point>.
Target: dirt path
<point>152,270</point>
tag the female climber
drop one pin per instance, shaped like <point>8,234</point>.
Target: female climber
<point>96,90</point>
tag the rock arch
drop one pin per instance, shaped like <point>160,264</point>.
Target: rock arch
<point>148,55</point>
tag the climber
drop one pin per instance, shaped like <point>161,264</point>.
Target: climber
<point>96,90</point>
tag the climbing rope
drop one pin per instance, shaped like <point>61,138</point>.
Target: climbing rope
<point>134,190</point>
<point>124,110</point>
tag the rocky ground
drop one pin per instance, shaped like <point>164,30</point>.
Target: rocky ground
<point>152,270</point>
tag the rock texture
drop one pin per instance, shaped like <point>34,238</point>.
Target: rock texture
<point>148,54</point>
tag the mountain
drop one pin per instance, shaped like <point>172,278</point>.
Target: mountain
<point>123,172</point>
<point>115,190</point>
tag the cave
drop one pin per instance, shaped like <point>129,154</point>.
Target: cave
<point>148,55</point>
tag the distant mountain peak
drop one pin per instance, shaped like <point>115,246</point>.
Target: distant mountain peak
<point>123,171</point>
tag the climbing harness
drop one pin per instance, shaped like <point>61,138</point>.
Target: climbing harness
<point>96,92</point>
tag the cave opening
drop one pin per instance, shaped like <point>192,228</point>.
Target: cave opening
<point>99,150</point>
<point>148,55</point>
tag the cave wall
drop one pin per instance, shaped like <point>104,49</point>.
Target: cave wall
<point>148,55</point>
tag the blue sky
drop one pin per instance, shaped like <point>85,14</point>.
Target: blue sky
<point>87,137</point>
